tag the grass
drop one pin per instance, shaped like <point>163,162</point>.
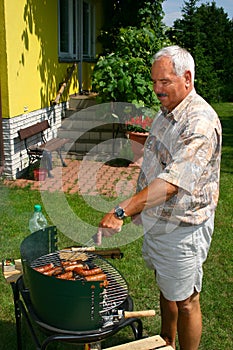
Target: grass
<point>216,298</point>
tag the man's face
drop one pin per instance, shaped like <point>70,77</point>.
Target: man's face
<point>169,88</point>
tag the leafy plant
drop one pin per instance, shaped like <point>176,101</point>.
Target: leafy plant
<point>123,75</point>
<point>123,79</point>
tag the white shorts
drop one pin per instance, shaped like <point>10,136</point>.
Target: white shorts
<point>177,257</point>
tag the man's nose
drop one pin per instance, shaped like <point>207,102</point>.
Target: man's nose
<point>157,87</point>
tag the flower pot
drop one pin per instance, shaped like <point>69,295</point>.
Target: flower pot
<point>137,140</point>
<point>40,174</point>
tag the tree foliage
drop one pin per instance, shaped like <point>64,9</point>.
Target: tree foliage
<point>207,32</point>
<point>134,31</point>
<point>122,73</point>
<point>129,13</point>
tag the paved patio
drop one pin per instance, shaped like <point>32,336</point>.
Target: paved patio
<point>85,177</point>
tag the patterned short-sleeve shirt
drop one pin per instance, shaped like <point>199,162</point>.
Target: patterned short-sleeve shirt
<point>184,149</point>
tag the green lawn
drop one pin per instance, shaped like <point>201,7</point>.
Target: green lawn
<point>216,297</point>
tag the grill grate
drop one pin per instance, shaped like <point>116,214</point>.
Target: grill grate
<point>117,290</point>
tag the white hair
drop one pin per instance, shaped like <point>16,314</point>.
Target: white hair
<point>182,60</point>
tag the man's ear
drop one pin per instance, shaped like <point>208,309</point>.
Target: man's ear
<point>188,78</point>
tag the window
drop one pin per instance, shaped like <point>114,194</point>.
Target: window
<point>76,30</point>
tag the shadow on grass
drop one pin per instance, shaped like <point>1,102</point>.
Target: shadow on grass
<point>227,159</point>
<point>8,335</point>
<point>225,112</point>
<point>9,338</point>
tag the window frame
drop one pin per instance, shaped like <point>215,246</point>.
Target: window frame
<point>78,11</point>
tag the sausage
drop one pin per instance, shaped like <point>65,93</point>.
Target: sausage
<point>73,266</point>
<point>66,276</point>
<point>104,283</point>
<point>91,272</point>
<point>44,268</point>
<point>98,277</point>
<point>71,263</point>
<point>80,270</point>
<point>54,271</point>
<point>85,272</point>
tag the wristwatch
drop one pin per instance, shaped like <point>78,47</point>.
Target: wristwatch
<point>119,213</point>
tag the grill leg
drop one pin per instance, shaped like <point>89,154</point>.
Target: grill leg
<point>17,315</point>
<point>20,311</point>
<point>68,338</point>
<point>137,330</point>
<point>30,326</point>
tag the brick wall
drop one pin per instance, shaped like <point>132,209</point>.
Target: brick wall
<point>16,159</point>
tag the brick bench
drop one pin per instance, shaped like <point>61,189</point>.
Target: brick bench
<point>43,148</point>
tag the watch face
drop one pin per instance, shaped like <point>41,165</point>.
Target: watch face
<point>119,212</point>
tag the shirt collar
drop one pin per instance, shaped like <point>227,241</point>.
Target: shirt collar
<point>176,112</point>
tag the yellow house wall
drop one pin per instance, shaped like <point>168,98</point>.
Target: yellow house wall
<point>3,60</point>
<point>30,72</point>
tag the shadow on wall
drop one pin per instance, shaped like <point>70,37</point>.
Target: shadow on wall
<point>40,18</point>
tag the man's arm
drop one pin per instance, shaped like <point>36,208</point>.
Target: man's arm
<point>158,192</point>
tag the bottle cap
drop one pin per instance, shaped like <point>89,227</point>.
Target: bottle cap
<point>37,207</point>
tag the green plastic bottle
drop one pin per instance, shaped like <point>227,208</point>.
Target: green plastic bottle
<point>38,221</point>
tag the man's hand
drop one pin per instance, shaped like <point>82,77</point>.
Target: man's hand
<point>108,226</point>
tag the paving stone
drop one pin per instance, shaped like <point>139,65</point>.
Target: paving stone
<point>89,177</point>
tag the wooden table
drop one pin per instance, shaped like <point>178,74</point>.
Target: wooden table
<point>12,276</point>
<point>151,343</point>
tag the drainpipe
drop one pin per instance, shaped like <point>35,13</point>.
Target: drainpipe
<point>1,138</point>
<point>80,63</point>
<point>80,76</point>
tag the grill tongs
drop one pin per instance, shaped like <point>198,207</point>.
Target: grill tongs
<point>117,315</point>
<point>76,251</point>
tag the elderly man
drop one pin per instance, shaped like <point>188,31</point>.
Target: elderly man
<point>177,195</point>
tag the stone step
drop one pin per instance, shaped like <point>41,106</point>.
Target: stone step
<point>79,102</point>
<point>82,124</point>
<point>90,146</point>
<point>89,125</point>
<point>83,135</point>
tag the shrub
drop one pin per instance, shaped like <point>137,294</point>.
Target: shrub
<point>124,75</point>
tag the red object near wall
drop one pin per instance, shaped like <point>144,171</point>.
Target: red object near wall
<point>40,174</point>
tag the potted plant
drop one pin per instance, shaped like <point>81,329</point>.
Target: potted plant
<point>139,124</point>
<point>139,119</point>
<point>137,131</point>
